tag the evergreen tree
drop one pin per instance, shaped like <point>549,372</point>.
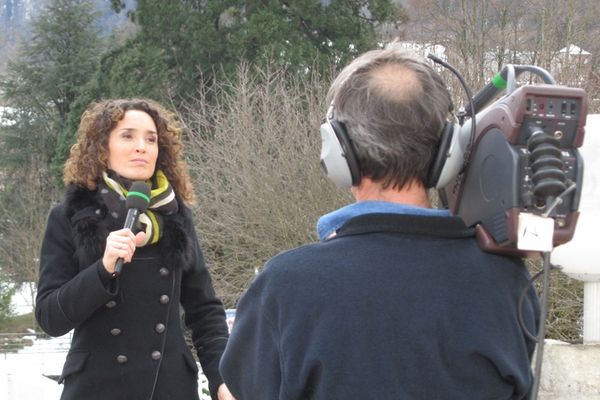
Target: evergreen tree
<point>40,87</point>
<point>42,84</point>
<point>7,290</point>
<point>299,33</point>
<point>197,40</point>
<point>186,32</point>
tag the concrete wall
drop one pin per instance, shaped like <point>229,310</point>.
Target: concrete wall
<point>570,372</point>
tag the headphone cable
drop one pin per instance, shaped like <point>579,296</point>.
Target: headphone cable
<point>469,94</point>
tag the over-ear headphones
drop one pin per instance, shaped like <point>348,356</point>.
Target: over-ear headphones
<point>341,165</point>
<point>338,157</point>
<point>438,175</point>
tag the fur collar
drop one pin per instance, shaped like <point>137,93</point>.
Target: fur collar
<point>91,225</point>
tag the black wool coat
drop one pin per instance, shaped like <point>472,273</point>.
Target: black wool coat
<point>407,307</point>
<point>128,341</point>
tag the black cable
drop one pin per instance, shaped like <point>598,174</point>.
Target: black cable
<point>539,338</point>
<point>559,199</point>
<point>542,327</point>
<point>532,280</point>
<point>465,86</point>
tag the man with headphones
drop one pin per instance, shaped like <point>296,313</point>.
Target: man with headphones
<point>396,300</point>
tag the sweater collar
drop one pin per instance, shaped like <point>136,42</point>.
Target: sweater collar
<point>329,224</point>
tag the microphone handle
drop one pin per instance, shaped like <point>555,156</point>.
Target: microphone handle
<point>118,267</point>
<point>132,215</point>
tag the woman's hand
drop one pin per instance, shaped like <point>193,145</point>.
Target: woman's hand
<point>223,393</point>
<point>120,244</point>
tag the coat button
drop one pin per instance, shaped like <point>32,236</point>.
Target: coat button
<point>163,271</point>
<point>121,359</point>
<point>159,328</point>
<point>98,211</point>
<point>156,355</point>
<point>164,299</point>
<point>115,331</point>
<point>111,304</point>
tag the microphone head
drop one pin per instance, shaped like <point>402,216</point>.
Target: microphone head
<point>138,196</point>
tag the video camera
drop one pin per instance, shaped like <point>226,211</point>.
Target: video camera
<point>520,158</point>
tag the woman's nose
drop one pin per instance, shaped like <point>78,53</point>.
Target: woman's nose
<point>140,146</point>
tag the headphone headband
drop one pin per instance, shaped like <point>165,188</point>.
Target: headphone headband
<point>341,164</point>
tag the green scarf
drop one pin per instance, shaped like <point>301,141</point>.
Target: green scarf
<point>114,189</point>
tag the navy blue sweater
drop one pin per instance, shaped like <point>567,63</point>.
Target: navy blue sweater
<point>393,307</point>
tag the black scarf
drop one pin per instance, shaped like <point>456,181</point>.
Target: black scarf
<point>114,189</point>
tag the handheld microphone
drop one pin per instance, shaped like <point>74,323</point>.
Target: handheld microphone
<point>138,199</point>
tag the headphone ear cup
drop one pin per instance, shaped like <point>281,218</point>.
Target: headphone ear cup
<point>439,161</point>
<point>337,155</point>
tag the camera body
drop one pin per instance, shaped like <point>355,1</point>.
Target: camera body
<point>523,156</point>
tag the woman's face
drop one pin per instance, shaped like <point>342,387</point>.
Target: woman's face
<point>133,146</point>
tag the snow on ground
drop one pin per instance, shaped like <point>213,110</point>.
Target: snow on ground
<point>27,374</point>
<point>23,375</point>
<point>22,300</point>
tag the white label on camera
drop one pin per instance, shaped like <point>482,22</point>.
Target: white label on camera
<point>535,232</point>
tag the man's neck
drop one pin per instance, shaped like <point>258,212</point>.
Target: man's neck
<point>413,194</point>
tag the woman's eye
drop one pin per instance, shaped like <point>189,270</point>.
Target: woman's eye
<point>152,139</point>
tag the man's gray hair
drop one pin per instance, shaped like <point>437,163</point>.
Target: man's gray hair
<point>394,106</point>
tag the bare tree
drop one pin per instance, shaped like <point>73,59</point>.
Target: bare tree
<point>254,153</point>
<point>23,212</point>
<point>481,36</point>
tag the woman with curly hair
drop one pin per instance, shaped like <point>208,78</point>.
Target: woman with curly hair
<point>128,341</point>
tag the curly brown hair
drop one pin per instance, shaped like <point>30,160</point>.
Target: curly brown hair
<point>89,155</point>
